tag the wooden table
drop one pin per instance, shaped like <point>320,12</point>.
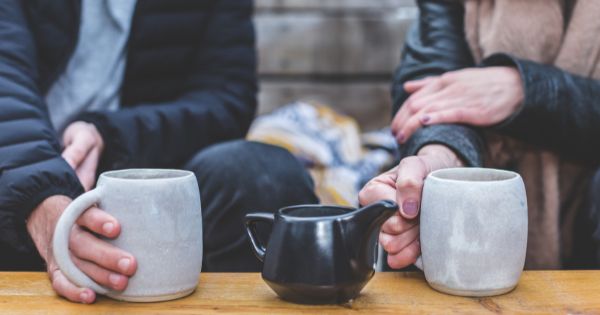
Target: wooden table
<point>560,292</point>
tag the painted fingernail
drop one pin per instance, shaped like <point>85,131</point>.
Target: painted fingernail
<point>401,137</point>
<point>124,264</point>
<point>425,119</point>
<point>114,279</point>
<point>84,296</point>
<point>410,208</point>
<point>108,227</point>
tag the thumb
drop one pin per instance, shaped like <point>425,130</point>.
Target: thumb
<point>409,186</point>
<point>76,152</point>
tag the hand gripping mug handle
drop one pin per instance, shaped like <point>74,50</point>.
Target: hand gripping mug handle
<point>250,221</point>
<point>60,243</point>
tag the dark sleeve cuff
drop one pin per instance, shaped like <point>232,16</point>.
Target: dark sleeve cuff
<point>535,85</point>
<point>465,141</point>
<point>44,179</point>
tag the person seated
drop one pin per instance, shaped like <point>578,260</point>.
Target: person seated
<point>88,86</point>
<point>489,83</point>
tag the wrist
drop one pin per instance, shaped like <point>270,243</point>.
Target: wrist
<point>444,156</point>
<point>42,221</point>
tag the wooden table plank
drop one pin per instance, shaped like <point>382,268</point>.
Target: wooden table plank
<point>549,292</point>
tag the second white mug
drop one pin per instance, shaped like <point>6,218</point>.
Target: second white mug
<point>473,230</point>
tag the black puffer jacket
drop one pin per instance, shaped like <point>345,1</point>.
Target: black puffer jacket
<point>560,111</point>
<point>189,82</point>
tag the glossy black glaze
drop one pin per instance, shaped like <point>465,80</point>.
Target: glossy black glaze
<point>320,254</point>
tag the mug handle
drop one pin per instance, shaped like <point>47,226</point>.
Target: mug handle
<point>419,262</point>
<point>250,220</point>
<point>60,242</point>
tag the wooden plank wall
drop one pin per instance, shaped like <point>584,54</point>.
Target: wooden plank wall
<point>337,52</point>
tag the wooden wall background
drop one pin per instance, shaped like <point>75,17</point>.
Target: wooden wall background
<point>338,52</point>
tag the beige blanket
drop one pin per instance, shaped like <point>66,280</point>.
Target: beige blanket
<point>564,34</point>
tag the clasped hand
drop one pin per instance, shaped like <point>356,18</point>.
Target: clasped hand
<point>476,96</point>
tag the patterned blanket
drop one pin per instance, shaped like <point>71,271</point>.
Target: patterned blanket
<point>339,158</point>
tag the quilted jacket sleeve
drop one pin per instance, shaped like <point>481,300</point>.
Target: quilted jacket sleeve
<point>31,167</point>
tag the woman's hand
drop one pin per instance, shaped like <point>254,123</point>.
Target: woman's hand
<point>476,96</point>
<point>404,183</point>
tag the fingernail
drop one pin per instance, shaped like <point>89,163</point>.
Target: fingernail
<point>84,296</point>
<point>124,264</point>
<point>410,208</point>
<point>114,278</point>
<point>425,119</point>
<point>383,239</point>
<point>108,227</point>
<point>401,137</point>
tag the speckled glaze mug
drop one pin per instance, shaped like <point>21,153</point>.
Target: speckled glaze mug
<point>161,225</point>
<point>473,231</point>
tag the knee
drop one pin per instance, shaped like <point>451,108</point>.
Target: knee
<point>594,196</point>
<point>248,163</point>
<point>595,186</point>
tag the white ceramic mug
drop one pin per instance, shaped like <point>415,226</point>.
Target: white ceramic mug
<point>473,231</point>
<point>161,226</point>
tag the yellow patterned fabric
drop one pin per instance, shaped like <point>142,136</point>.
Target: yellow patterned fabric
<point>339,159</point>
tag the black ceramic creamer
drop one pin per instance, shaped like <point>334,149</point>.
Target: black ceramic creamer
<point>320,254</point>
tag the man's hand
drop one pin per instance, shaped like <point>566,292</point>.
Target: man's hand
<point>404,183</point>
<point>107,265</point>
<point>477,96</point>
<point>83,148</point>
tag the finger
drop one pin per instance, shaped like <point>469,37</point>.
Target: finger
<point>77,151</point>
<point>86,172</point>
<point>393,244</point>
<point>88,247</point>
<point>101,275</point>
<point>423,105</point>
<point>396,224</point>
<point>453,116</point>
<point>67,289</point>
<point>410,127</point>
<point>382,187</point>
<point>406,256</point>
<point>398,120</point>
<point>100,222</point>
<point>409,185</point>
<point>409,108</point>
<point>413,85</point>
<point>375,191</point>
<point>417,120</point>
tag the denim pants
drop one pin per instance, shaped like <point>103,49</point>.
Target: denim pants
<point>240,177</point>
